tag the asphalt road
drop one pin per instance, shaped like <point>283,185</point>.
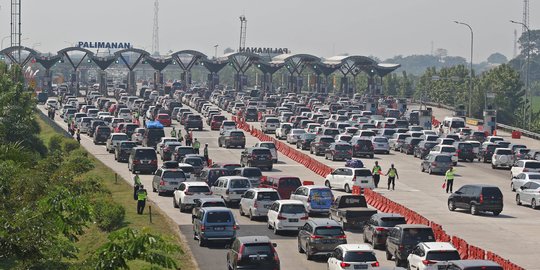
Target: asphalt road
<point>512,235</point>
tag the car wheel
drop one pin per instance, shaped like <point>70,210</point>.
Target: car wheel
<point>300,249</point>
<point>474,209</point>
<point>388,255</point>
<point>327,184</point>
<point>533,204</point>
<point>175,204</point>
<point>451,205</point>
<point>347,188</point>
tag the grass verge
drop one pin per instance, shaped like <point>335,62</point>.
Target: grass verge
<point>122,193</point>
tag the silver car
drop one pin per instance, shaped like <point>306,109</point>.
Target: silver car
<point>380,144</point>
<point>256,202</point>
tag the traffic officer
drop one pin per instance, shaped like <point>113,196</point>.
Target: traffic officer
<point>141,199</point>
<point>376,171</point>
<point>205,151</point>
<point>392,174</point>
<point>136,184</point>
<point>196,146</point>
<point>449,179</point>
<point>173,132</point>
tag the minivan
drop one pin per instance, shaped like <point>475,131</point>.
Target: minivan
<point>477,198</point>
<point>214,224</point>
<point>143,159</point>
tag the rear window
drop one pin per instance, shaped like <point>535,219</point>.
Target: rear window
<point>532,165</point>
<point>443,255</point>
<point>343,147</point>
<point>491,191</point>
<point>504,152</point>
<point>392,221</point>
<point>443,159</point>
<point>359,256</point>
<point>362,173</point>
<point>417,235</point>
<point>329,231</point>
<point>267,196</point>
<point>240,183</point>
<point>218,217</point>
<point>174,174</point>
<point>268,145</point>
<point>261,152</point>
<point>251,172</point>
<point>293,209</point>
<point>199,189</point>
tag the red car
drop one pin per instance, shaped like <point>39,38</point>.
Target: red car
<point>164,119</point>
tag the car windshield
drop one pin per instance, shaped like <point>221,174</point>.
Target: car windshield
<point>293,209</point>
<point>218,217</point>
<point>443,159</point>
<point>252,172</point>
<point>268,145</point>
<point>174,174</point>
<point>199,189</point>
<point>329,231</point>
<point>532,165</point>
<point>392,221</point>
<point>416,235</point>
<point>240,183</point>
<point>362,173</point>
<point>267,196</point>
<point>443,255</point>
<point>359,256</point>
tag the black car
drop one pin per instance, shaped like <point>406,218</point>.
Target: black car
<point>376,229</point>
<point>422,149</point>
<point>465,151</point>
<point>253,252</point>
<point>101,134</point>
<point>403,238</point>
<point>477,198</point>
<point>260,157</point>
<point>409,145</point>
<point>305,140</point>
<point>122,152</point>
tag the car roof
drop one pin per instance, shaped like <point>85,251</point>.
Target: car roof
<point>435,246</point>
<point>323,222</point>
<point>253,239</point>
<point>356,247</point>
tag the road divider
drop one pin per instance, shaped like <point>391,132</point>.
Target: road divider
<point>380,202</point>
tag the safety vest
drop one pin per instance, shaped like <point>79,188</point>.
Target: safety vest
<point>141,194</point>
<point>392,172</point>
<point>450,174</point>
<point>376,169</point>
<point>196,145</point>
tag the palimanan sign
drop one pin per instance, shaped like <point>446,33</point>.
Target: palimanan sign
<point>104,45</point>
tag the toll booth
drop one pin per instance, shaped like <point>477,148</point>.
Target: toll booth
<point>425,118</point>
<point>402,105</point>
<point>490,121</point>
<point>371,105</point>
<point>460,111</point>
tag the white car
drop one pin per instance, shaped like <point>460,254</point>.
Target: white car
<point>522,178</point>
<point>529,194</point>
<point>286,215</point>
<point>431,255</point>
<point>280,131</point>
<point>256,202</point>
<point>345,178</point>
<point>353,256</point>
<point>271,146</point>
<point>295,134</point>
<point>525,166</point>
<point>446,149</point>
<point>186,194</point>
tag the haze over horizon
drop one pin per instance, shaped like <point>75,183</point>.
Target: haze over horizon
<point>382,28</point>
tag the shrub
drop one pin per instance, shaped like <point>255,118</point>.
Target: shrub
<point>109,216</point>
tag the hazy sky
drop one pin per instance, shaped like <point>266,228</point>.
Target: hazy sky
<point>383,28</point>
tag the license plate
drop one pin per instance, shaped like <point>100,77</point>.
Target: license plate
<point>362,266</point>
<point>293,220</point>
<point>219,228</point>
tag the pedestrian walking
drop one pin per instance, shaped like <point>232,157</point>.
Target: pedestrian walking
<point>392,174</point>
<point>376,171</point>
<point>79,135</point>
<point>205,151</point>
<point>136,185</point>
<point>141,199</point>
<point>196,146</point>
<point>188,139</point>
<point>173,132</point>
<point>449,179</point>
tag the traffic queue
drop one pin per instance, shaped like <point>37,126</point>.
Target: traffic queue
<point>133,129</point>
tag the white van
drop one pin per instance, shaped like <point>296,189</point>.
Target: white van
<point>452,125</point>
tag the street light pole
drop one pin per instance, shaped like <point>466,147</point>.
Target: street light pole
<point>471,66</point>
<point>528,94</point>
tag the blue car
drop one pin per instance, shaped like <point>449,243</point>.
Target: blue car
<point>214,224</point>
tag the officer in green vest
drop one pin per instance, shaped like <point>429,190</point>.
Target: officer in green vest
<point>376,171</point>
<point>196,146</point>
<point>136,184</point>
<point>173,132</point>
<point>392,174</point>
<point>141,199</point>
<point>449,178</point>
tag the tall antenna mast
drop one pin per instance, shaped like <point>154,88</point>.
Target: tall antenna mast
<point>155,32</point>
<point>243,29</point>
<point>525,15</point>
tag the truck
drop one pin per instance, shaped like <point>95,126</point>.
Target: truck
<point>351,211</point>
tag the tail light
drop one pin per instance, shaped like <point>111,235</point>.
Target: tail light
<point>481,198</point>
<point>344,264</point>
<point>161,183</point>
<point>316,237</point>
<point>280,217</point>
<point>375,264</point>
<point>203,228</point>
<point>428,262</point>
<point>343,236</point>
